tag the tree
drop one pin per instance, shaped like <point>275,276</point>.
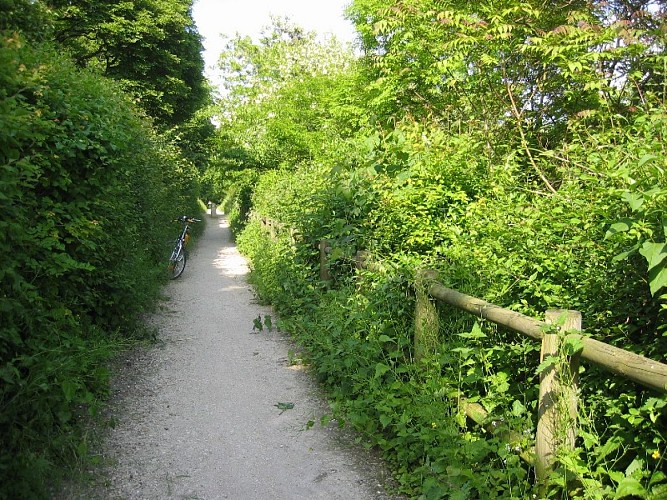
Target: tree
<point>151,47</point>
<point>514,73</point>
<point>278,98</point>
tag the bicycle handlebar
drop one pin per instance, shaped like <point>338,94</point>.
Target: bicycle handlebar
<point>185,218</point>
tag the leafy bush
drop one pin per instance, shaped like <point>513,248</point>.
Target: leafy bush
<point>517,148</point>
<point>495,240</point>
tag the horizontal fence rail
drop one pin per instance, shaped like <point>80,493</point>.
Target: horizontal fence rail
<point>645,371</point>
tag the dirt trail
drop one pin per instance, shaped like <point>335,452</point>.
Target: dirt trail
<point>196,417</point>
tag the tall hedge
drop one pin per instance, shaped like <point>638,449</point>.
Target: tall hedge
<point>86,193</point>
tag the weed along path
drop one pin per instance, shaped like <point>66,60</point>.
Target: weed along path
<point>216,410</point>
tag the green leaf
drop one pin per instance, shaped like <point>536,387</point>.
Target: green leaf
<point>603,451</point>
<point>464,352</point>
<point>257,323</point>
<point>657,280</point>
<point>325,419</point>
<point>635,466</point>
<point>381,369</point>
<point>618,227</point>
<point>627,253</point>
<point>82,449</point>
<point>646,158</point>
<point>548,362</point>
<point>69,388</point>
<point>475,333</point>
<point>656,255</point>
<point>573,344</point>
<point>657,477</point>
<point>336,253</point>
<point>385,420</point>
<point>268,322</point>
<point>630,486</point>
<point>635,200</point>
<point>518,408</point>
<point>284,406</point>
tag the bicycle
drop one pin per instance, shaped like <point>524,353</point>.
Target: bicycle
<point>178,254</point>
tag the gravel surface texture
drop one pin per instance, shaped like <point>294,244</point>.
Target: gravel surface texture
<point>207,412</point>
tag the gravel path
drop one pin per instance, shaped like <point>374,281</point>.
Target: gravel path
<point>196,416</point>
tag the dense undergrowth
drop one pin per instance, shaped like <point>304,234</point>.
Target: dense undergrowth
<point>87,192</point>
<point>522,251</point>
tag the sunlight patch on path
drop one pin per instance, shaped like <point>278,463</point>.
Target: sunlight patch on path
<point>228,259</point>
<point>231,263</point>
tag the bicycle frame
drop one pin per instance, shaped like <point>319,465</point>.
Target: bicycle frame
<point>178,257</point>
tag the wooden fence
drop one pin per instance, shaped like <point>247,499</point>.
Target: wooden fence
<point>556,423</point>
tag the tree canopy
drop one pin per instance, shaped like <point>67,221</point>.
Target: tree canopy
<point>151,47</point>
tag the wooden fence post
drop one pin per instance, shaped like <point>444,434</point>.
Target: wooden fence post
<point>557,405</point>
<point>427,321</point>
<point>324,268</point>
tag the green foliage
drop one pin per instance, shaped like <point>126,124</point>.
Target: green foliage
<point>237,204</point>
<point>286,101</point>
<point>87,190</point>
<point>516,147</point>
<point>644,192</point>
<point>29,17</point>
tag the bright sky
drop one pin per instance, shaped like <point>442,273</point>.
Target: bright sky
<point>248,17</point>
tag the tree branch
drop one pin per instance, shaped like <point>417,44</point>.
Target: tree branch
<point>524,142</point>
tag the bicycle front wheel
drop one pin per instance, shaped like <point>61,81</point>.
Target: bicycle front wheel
<point>177,262</point>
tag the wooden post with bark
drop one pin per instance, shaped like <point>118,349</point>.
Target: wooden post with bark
<point>427,321</point>
<point>557,405</point>
<point>324,266</point>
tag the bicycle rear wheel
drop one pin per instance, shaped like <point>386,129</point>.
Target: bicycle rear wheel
<point>177,262</point>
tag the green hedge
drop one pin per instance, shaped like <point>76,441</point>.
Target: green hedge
<point>86,194</point>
